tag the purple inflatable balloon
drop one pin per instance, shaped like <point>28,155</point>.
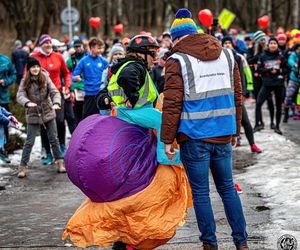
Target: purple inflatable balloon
<point>109,159</point>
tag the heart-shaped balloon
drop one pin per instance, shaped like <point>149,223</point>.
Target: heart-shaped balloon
<point>263,21</point>
<point>119,28</point>
<point>95,22</point>
<point>206,17</point>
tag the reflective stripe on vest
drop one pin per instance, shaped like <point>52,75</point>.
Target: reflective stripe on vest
<point>208,102</point>
<point>298,97</point>
<point>147,94</point>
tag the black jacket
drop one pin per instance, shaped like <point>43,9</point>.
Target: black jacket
<point>158,78</point>
<point>19,59</point>
<point>269,61</point>
<point>131,78</point>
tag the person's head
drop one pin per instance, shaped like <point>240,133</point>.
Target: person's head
<point>183,25</point>
<point>117,52</point>
<point>227,42</point>
<point>45,43</point>
<point>96,46</point>
<point>33,66</point>
<point>282,39</point>
<point>33,71</point>
<point>273,44</point>
<point>260,38</point>
<point>297,48</point>
<point>78,46</point>
<point>248,41</point>
<point>125,42</point>
<point>18,44</point>
<point>144,47</point>
<point>162,52</point>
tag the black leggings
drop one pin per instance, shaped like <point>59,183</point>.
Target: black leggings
<point>264,93</point>
<point>257,88</point>
<point>247,126</point>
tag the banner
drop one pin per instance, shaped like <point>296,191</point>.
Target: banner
<point>226,18</point>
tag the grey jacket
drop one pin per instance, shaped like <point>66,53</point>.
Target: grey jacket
<point>44,98</point>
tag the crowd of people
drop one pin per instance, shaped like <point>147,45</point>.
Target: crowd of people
<point>63,83</point>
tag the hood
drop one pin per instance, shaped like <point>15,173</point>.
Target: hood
<point>120,62</point>
<point>202,46</point>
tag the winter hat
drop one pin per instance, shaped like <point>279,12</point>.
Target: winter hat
<point>77,43</point>
<point>44,38</point>
<point>273,39</point>
<point>227,38</point>
<point>296,38</point>
<point>31,61</point>
<point>162,52</point>
<point>183,24</point>
<point>281,37</point>
<point>18,44</point>
<point>117,49</point>
<point>259,36</point>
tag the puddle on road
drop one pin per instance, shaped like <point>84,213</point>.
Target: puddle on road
<point>261,208</point>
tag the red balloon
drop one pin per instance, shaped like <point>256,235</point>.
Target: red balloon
<point>119,28</point>
<point>263,21</point>
<point>206,17</point>
<point>95,22</point>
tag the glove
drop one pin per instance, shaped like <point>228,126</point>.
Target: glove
<point>13,122</point>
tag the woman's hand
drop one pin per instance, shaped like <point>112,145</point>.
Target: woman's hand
<point>31,105</point>
<point>55,106</point>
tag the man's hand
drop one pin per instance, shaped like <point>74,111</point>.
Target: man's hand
<point>72,96</point>
<point>31,105</point>
<point>274,71</point>
<point>55,106</point>
<point>77,79</point>
<point>169,151</point>
<point>2,82</point>
<point>233,142</point>
<point>128,104</point>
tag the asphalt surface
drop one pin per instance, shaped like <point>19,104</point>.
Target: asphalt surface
<point>35,210</point>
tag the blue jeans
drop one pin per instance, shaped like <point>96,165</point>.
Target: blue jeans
<point>198,157</point>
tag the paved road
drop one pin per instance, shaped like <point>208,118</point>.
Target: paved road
<point>34,211</point>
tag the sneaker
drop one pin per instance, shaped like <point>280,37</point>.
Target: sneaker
<point>4,158</point>
<point>258,128</point>
<point>48,160</point>
<point>22,171</point>
<point>62,150</point>
<point>238,189</point>
<point>278,131</point>
<point>272,126</point>
<point>255,149</point>
<point>119,245</point>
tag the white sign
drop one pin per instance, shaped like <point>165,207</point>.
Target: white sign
<point>69,18</point>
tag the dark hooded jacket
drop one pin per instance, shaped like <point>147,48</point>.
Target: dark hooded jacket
<point>205,48</point>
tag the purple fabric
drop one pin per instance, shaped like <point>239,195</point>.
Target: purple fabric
<point>109,159</point>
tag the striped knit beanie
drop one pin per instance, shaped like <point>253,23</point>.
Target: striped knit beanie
<point>44,38</point>
<point>259,36</point>
<point>183,24</point>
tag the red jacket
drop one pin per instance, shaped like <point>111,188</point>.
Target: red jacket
<point>57,67</point>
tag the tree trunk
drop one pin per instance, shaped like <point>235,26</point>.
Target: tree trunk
<point>295,13</point>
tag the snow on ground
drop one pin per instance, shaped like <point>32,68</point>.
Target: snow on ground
<point>277,177</point>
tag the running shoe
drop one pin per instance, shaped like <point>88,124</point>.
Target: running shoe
<point>255,149</point>
<point>238,188</point>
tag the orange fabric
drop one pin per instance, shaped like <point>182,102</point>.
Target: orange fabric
<point>145,220</point>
